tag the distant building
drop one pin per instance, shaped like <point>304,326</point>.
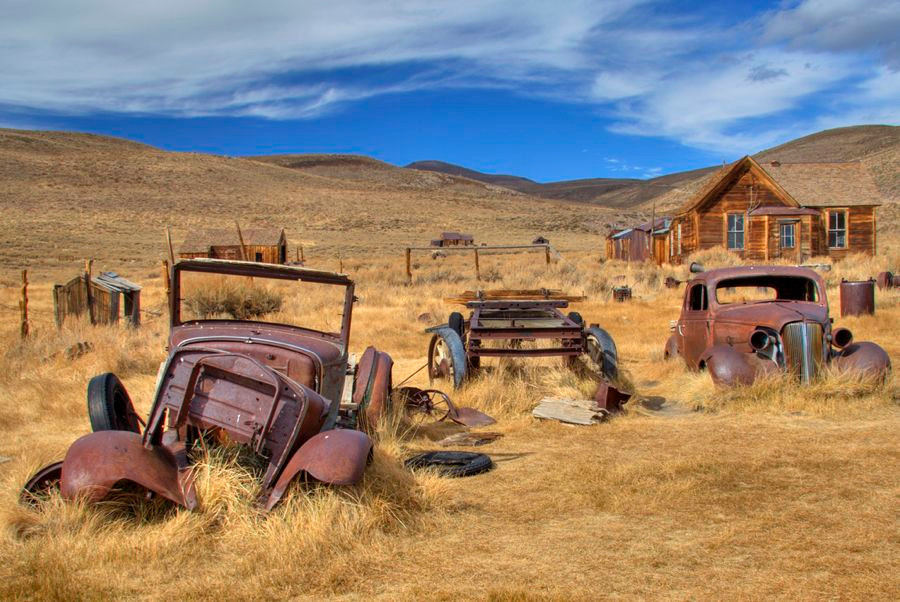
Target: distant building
<point>454,239</point>
<point>540,240</point>
<point>640,243</point>
<point>263,245</point>
<point>778,211</point>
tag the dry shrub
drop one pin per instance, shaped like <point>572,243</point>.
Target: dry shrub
<point>233,301</point>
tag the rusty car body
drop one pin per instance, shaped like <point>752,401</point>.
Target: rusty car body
<point>274,387</point>
<point>743,322</point>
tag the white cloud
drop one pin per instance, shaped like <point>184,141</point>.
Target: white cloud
<point>729,87</point>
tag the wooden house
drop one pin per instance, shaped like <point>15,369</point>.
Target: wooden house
<point>766,211</point>
<point>263,245</point>
<point>454,239</point>
<point>640,243</point>
<point>98,297</point>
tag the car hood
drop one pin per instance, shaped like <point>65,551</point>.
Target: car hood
<point>772,314</point>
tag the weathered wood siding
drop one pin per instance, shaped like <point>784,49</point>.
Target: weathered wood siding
<point>860,231</point>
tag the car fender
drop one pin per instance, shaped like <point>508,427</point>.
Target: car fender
<point>865,357</point>
<point>335,457</point>
<point>727,366</point>
<point>671,350</point>
<point>372,387</point>
<point>96,462</point>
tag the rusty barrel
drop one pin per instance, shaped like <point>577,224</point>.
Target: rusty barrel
<point>857,297</point>
<point>884,280</point>
<point>622,293</point>
<point>895,282</point>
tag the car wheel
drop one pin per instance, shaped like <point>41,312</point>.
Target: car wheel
<point>601,349</point>
<point>109,406</point>
<point>447,357</point>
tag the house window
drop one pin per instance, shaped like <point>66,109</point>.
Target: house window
<point>259,257</point>
<point>787,236</point>
<point>837,229</point>
<point>736,231</point>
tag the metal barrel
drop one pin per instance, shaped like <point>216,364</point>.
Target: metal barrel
<point>885,280</point>
<point>857,297</point>
<point>621,293</point>
<point>896,281</point>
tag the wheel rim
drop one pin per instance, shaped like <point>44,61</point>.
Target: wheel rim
<point>442,361</point>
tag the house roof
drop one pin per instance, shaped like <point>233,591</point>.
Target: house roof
<point>456,236</point>
<point>798,184</point>
<point>201,240</point>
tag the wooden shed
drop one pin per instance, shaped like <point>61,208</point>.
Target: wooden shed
<point>454,239</point>
<point>779,211</point>
<point>263,245</point>
<point>640,243</point>
<point>101,298</point>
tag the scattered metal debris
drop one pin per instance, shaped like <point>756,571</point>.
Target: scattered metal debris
<point>501,320</point>
<point>425,318</point>
<point>610,398</point>
<point>470,439</point>
<point>452,463</point>
<point>276,388</point>
<point>789,330</point>
<point>431,405</point>
<point>672,282</point>
<point>621,293</point>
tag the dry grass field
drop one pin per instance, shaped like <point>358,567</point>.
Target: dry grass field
<point>770,491</point>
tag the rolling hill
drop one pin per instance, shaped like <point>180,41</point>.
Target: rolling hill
<point>875,145</point>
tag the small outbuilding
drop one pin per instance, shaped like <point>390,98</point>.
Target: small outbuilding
<point>263,245</point>
<point>454,239</point>
<point>101,297</point>
<point>540,240</point>
<point>644,242</point>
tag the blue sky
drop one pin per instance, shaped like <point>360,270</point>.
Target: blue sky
<point>547,90</point>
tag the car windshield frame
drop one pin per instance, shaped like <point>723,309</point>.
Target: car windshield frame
<point>262,271</point>
<point>770,281</point>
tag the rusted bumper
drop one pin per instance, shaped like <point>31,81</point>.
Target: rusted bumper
<point>96,462</point>
<point>729,367</point>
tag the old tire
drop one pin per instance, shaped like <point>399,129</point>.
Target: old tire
<point>109,406</point>
<point>452,463</point>
<point>456,322</point>
<point>447,357</point>
<point>576,317</point>
<point>602,350</point>
<point>41,484</point>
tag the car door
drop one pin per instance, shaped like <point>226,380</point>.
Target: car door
<point>694,326</point>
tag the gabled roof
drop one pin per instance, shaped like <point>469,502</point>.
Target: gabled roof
<point>201,240</point>
<point>456,236</point>
<point>797,184</point>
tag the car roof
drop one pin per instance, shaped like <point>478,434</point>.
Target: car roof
<point>262,270</point>
<point>713,277</point>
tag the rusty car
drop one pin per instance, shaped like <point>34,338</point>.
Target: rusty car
<point>743,322</point>
<point>277,379</point>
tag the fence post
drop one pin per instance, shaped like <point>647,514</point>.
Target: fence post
<point>477,266</point>
<point>547,253</point>
<point>23,305</point>
<point>167,283</point>
<point>408,266</point>
<point>88,294</point>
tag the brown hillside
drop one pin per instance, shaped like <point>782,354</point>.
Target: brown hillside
<point>65,197</point>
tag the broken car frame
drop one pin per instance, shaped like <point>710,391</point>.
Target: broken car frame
<point>275,388</point>
<point>783,326</point>
<point>501,320</point>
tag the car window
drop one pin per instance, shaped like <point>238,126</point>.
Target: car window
<point>697,300</point>
<point>209,296</point>
<point>757,289</point>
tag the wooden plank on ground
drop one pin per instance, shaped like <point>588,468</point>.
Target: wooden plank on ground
<point>569,411</point>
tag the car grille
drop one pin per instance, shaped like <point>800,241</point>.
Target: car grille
<point>803,349</point>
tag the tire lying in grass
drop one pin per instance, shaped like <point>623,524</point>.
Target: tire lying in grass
<point>452,463</point>
<point>109,406</point>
